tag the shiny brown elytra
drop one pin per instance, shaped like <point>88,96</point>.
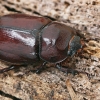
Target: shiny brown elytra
<point>26,39</point>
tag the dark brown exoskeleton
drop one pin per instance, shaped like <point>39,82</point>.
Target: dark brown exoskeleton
<point>26,39</point>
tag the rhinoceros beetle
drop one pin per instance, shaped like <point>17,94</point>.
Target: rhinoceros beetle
<point>26,39</point>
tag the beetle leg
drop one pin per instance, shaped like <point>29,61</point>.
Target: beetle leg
<point>10,68</point>
<point>7,69</point>
<point>66,70</point>
<point>39,70</point>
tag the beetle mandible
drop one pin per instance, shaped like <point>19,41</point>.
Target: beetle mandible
<point>26,39</point>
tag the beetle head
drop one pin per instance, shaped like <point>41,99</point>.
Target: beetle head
<point>74,45</point>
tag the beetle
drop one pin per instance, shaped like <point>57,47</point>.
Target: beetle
<point>26,39</point>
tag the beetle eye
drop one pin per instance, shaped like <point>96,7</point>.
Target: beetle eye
<point>74,45</point>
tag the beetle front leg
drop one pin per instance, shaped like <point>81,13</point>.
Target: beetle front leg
<point>66,70</point>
